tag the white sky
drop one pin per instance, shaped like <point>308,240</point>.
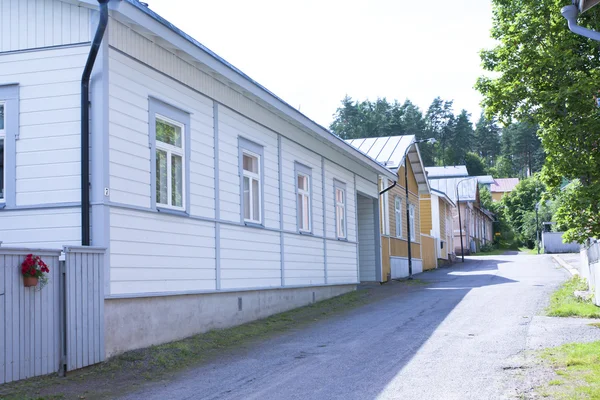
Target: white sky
<point>313,52</point>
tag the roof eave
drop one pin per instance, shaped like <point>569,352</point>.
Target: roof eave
<point>160,27</point>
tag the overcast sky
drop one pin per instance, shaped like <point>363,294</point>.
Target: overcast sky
<point>313,52</point>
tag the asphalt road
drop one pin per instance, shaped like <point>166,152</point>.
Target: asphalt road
<point>454,338</point>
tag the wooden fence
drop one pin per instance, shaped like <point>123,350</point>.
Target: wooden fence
<point>58,328</point>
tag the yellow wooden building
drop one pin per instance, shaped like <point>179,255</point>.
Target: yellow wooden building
<point>390,152</point>
<point>437,228</point>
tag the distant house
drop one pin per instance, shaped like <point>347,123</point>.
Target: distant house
<point>390,151</point>
<point>502,187</point>
<point>437,222</point>
<point>476,223</point>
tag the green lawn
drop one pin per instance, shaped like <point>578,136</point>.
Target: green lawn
<point>564,304</point>
<point>578,368</point>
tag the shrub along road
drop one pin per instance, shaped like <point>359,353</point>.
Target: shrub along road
<point>462,335</point>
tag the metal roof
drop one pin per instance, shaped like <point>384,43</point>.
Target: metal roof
<point>389,151</point>
<point>504,185</point>
<point>467,187</point>
<point>446,172</point>
<point>485,179</point>
<point>443,195</point>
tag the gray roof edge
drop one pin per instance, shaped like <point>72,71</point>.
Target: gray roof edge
<point>146,10</point>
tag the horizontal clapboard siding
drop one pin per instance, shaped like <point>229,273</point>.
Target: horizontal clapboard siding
<point>129,158</point>
<point>249,258</point>
<point>47,159</point>
<point>30,24</point>
<point>153,252</point>
<point>49,228</point>
<point>341,262</point>
<point>304,261</point>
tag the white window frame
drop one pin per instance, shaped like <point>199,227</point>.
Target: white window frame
<point>252,176</point>
<point>304,171</point>
<point>4,157</point>
<point>173,150</point>
<point>398,215</point>
<point>411,216</point>
<point>340,206</point>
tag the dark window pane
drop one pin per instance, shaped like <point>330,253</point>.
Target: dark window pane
<point>168,133</point>
<point>161,177</point>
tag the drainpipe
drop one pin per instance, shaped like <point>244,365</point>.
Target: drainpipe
<point>388,188</point>
<point>85,123</point>
<point>570,13</point>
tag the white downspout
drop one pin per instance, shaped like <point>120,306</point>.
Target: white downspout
<point>570,13</point>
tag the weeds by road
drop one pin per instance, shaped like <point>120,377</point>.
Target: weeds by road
<point>578,368</point>
<point>564,303</point>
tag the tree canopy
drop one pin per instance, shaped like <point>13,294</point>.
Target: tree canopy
<point>549,76</point>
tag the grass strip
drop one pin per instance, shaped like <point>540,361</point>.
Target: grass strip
<point>564,303</point>
<point>578,368</point>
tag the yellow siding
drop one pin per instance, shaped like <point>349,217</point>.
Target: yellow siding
<point>442,219</point>
<point>399,192</point>
<point>497,196</point>
<point>399,248</point>
<point>426,217</point>
<point>429,253</point>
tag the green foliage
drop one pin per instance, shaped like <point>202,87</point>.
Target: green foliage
<point>522,150</point>
<point>486,248</point>
<point>475,165</point>
<point>363,119</point>
<point>519,208</point>
<point>545,74</point>
<point>577,214</point>
<point>487,140</point>
<point>485,198</point>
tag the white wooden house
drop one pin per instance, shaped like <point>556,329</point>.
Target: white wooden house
<point>217,201</point>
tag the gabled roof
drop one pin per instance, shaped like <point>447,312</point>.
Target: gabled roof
<point>504,185</point>
<point>389,151</point>
<point>140,16</point>
<point>444,196</point>
<point>446,172</point>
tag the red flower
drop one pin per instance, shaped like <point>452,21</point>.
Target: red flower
<point>34,266</point>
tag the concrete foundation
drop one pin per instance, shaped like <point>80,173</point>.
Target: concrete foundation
<point>135,323</point>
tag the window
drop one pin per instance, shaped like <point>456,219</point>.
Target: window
<point>169,163</point>
<point>251,175</point>
<point>340,209</point>
<point>398,213</point>
<point>411,215</point>
<point>303,197</point>
<point>251,163</point>
<point>2,155</point>
<point>9,133</point>
<point>170,144</point>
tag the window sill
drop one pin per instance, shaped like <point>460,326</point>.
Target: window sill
<point>306,233</point>
<point>172,212</point>
<point>342,239</point>
<point>254,224</point>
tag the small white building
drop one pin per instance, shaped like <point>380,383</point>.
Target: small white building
<point>218,202</point>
